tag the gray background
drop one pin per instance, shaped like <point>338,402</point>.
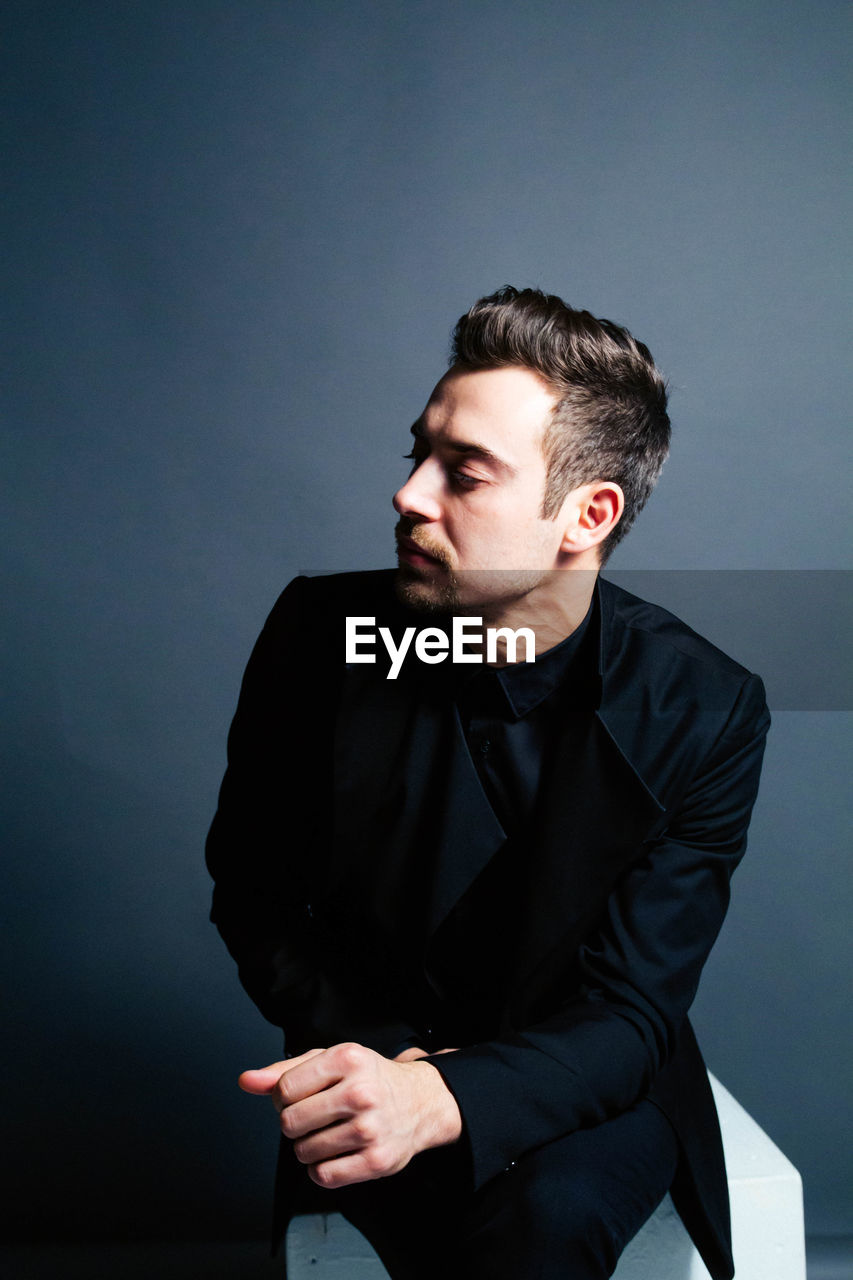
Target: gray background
<point>239,235</point>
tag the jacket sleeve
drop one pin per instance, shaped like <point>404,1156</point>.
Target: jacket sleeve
<point>272,831</point>
<point>599,1053</point>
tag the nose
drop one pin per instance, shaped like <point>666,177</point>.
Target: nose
<point>417,499</point>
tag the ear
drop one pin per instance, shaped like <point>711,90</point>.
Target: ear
<point>590,513</point>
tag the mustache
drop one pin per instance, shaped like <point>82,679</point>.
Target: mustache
<point>406,529</point>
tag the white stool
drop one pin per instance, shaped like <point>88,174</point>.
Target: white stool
<point>767,1222</point>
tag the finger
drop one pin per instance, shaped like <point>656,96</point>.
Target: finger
<point>330,1143</point>
<point>329,1106</point>
<point>411,1055</point>
<point>263,1080</point>
<point>320,1071</point>
<point>346,1170</point>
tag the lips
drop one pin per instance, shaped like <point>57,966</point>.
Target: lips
<point>410,550</point>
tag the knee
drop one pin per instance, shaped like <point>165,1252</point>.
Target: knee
<point>572,1220</point>
<point>538,1225</point>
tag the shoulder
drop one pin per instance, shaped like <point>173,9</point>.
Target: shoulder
<point>304,635</point>
<point>669,694</point>
<point>318,599</point>
<point>638,631</point>
<point>301,646</point>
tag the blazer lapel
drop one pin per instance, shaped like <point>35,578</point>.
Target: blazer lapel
<point>595,814</point>
<point>597,808</point>
<point>467,830</point>
<point>405,783</point>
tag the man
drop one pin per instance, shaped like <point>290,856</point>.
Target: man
<point>478,896</point>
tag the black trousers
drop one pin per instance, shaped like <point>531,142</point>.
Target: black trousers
<point>563,1212</point>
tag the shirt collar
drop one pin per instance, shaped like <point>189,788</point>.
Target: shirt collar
<point>521,686</point>
<point>526,684</point>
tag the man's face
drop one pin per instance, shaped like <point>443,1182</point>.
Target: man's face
<point>470,535</point>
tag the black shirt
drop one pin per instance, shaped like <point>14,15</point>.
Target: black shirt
<point>510,716</point>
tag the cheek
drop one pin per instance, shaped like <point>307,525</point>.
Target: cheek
<point>495,529</point>
<point>504,541</point>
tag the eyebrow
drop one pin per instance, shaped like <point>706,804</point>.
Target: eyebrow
<point>469,448</point>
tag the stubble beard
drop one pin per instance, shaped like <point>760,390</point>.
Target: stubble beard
<point>416,591</point>
<point>487,592</point>
<point>428,590</point>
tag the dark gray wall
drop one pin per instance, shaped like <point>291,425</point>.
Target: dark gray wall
<point>239,236</point>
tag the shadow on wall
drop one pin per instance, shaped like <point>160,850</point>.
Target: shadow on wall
<point>123,1115</point>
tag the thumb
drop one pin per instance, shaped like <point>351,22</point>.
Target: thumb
<point>263,1080</point>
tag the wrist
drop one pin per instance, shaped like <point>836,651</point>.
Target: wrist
<point>440,1117</point>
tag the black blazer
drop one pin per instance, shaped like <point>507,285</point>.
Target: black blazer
<point>579,1008</point>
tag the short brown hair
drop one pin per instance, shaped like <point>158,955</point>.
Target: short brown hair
<point>610,420</point>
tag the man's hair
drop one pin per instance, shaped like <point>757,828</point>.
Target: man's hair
<point>610,420</point>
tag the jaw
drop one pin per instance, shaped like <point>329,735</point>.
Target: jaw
<point>429,591</point>
<point>551,602</point>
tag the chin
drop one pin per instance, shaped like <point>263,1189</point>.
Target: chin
<point>420,593</point>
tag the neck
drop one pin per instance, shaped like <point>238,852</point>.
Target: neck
<point>553,609</point>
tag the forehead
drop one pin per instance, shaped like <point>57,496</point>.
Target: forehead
<point>502,410</point>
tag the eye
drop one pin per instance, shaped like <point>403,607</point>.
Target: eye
<point>415,461</point>
<point>461,479</point>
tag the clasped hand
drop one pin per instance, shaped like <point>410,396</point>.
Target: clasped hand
<point>354,1115</point>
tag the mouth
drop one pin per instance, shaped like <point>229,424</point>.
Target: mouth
<point>409,551</point>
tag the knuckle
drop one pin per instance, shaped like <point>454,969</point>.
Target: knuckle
<point>322,1175</point>
<point>361,1095</point>
<point>376,1159</point>
<point>283,1091</point>
<point>289,1123</point>
<point>351,1056</point>
<point>363,1129</point>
